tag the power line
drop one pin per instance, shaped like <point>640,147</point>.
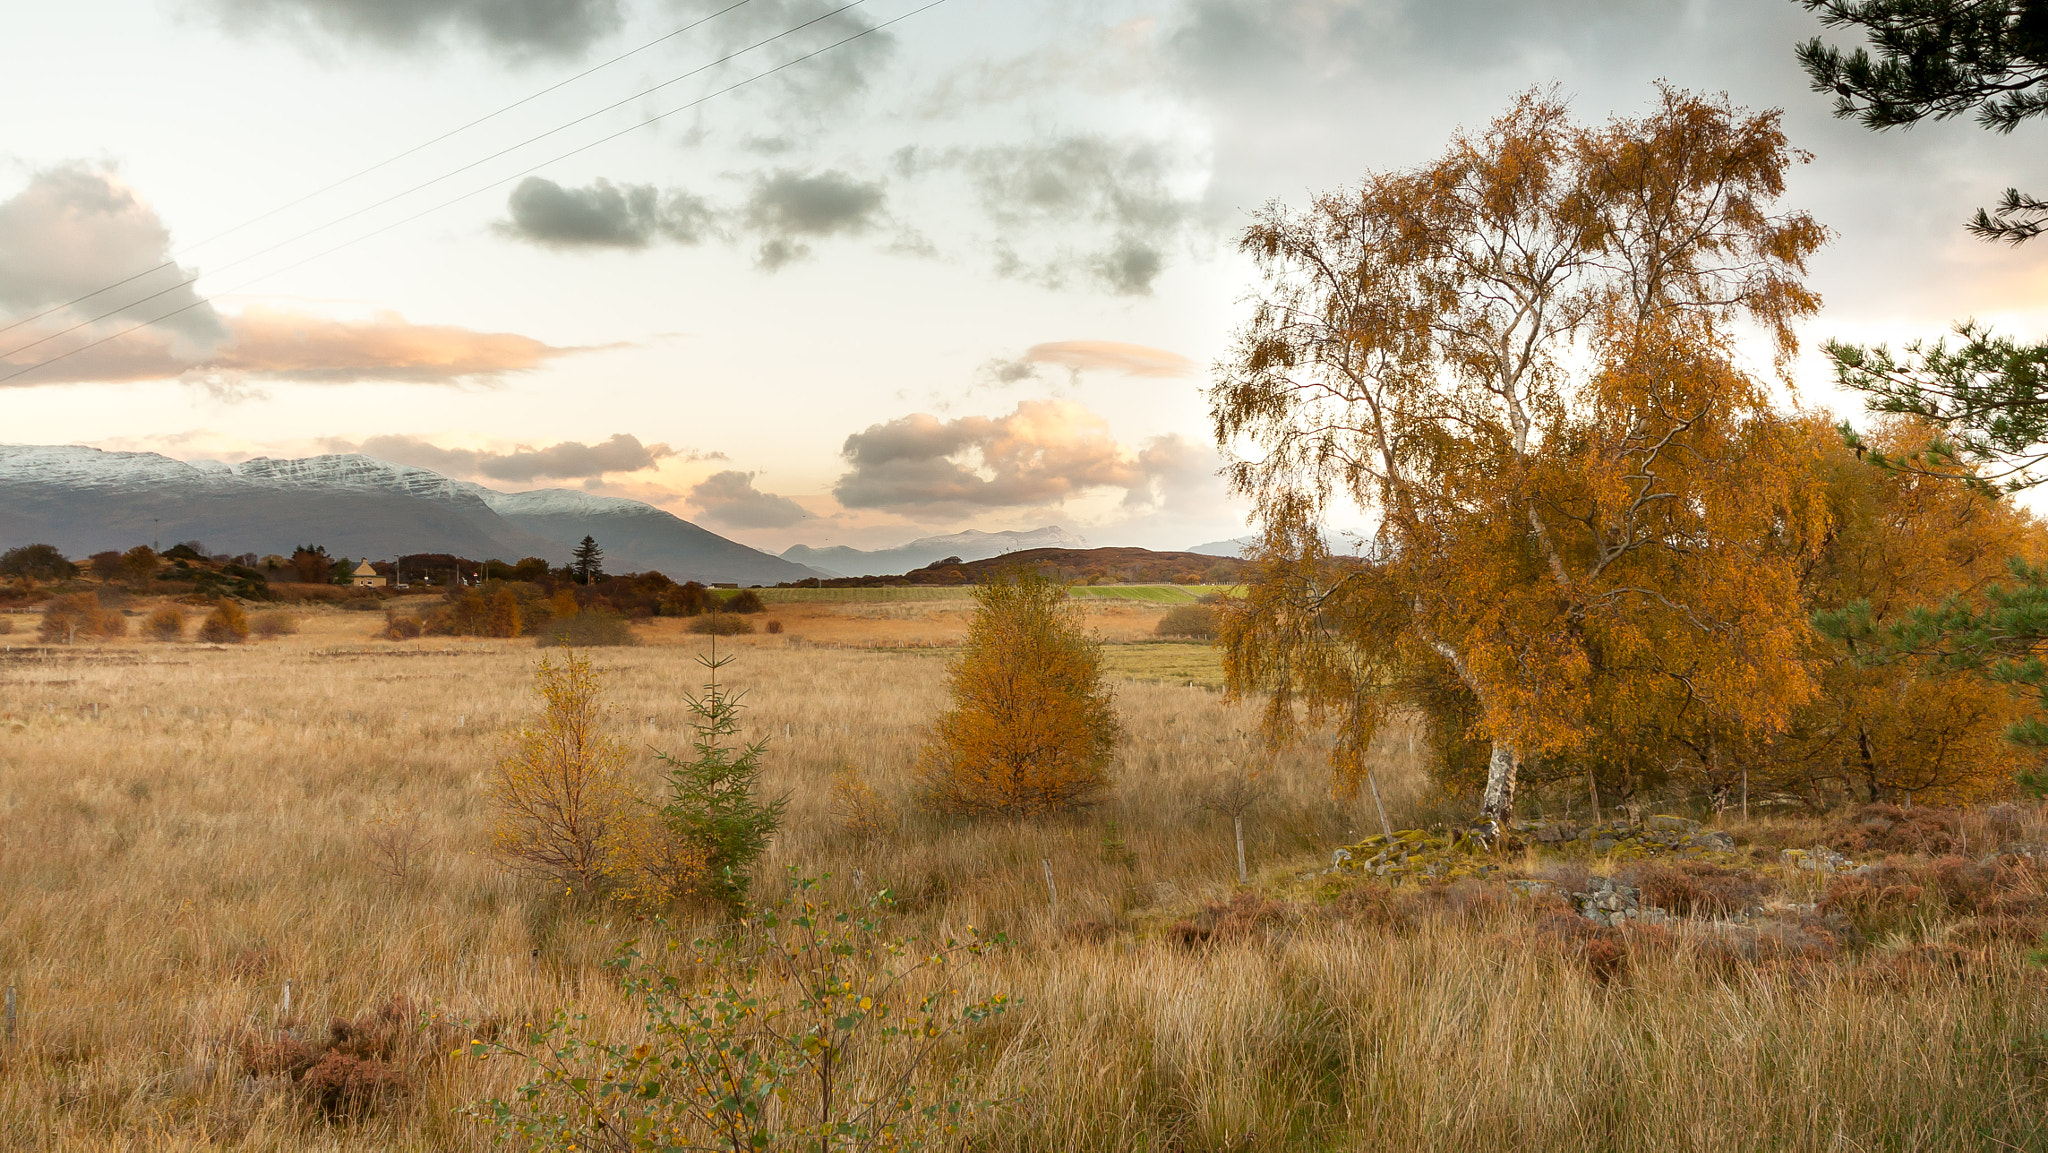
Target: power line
<point>317,229</point>
<point>360,173</point>
<point>475,191</point>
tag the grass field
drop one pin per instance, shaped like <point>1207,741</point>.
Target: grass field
<point>1149,594</point>
<point>184,829</point>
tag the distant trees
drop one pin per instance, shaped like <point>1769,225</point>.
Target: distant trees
<point>36,562</point>
<point>312,565</point>
<point>587,562</point>
<point>1033,727</point>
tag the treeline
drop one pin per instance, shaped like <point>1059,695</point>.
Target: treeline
<point>557,611</point>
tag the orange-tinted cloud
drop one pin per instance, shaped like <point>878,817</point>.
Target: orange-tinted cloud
<point>1037,456</point>
<point>276,345</point>
<point>282,345</point>
<point>1111,356</point>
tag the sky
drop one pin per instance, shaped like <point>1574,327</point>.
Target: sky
<point>805,272</point>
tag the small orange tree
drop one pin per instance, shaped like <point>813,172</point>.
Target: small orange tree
<point>1032,728</point>
<point>79,615</point>
<point>559,794</point>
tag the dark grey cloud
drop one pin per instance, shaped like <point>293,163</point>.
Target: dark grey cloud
<point>517,27</point>
<point>603,215</point>
<point>568,460</point>
<point>1084,207</point>
<point>788,208</point>
<point>76,228</point>
<point>730,498</point>
<point>1038,455</point>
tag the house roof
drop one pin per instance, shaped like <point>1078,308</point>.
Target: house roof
<point>364,569</point>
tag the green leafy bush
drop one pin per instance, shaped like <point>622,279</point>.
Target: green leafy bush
<point>805,1028</point>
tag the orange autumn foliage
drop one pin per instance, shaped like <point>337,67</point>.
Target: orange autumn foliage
<point>1033,727</point>
<point>1521,358</point>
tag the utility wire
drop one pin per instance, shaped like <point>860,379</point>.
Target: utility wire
<point>473,192</point>
<point>360,173</point>
<point>317,229</point>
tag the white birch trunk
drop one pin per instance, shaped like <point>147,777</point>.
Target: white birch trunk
<point>1499,801</point>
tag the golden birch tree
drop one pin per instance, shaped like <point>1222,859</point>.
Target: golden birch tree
<point>1521,360</point>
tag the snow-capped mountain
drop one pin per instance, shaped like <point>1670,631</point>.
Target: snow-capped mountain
<point>969,545</point>
<point>84,500</point>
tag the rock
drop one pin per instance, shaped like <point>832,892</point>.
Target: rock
<point>1714,841</point>
<point>1674,824</point>
<point>1603,844</point>
<point>1531,888</point>
<point>1820,859</point>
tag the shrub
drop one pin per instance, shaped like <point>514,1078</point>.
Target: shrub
<point>1196,620</point>
<point>1700,888</point>
<point>745,601</point>
<point>556,795</point>
<point>1032,728</point>
<point>806,1028</point>
<point>79,615</point>
<point>398,628</point>
<point>774,628</point>
<point>720,625</point>
<point>586,628</point>
<point>6,625</point>
<point>648,867</point>
<point>271,626</point>
<point>711,802</point>
<point>859,809</point>
<point>165,624</point>
<point>225,625</point>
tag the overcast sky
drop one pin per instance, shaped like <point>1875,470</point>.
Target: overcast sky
<point>965,271</point>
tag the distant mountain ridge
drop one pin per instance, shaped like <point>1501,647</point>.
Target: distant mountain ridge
<point>972,545</point>
<point>84,500</point>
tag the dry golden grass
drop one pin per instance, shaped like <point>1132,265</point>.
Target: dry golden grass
<point>222,824</point>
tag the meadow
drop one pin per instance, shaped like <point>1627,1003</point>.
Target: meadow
<point>185,829</point>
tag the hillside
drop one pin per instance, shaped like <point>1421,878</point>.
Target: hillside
<point>971,545</point>
<point>1121,565</point>
<point>84,500</point>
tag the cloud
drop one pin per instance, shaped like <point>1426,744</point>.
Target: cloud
<point>730,498</point>
<point>568,460</point>
<point>73,230</point>
<point>788,207</point>
<point>1078,356</point>
<point>516,27</point>
<point>1114,201</point>
<point>1111,356</point>
<point>296,346</point>
<point>823,86</point>
<point>1042,453</point>
<point>603,215</point>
